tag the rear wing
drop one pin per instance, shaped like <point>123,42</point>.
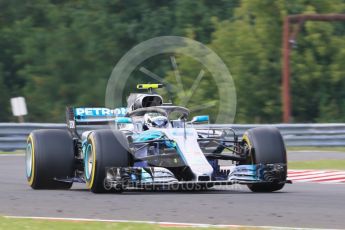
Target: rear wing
<point>92,116</point>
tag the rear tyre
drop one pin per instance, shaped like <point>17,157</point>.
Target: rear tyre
<point>49,156</point>
<point>105,148</point>
<point>266,146</point>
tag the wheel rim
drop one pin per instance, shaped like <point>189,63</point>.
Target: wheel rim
<point>28,160</point>
<point>88,162</point>
<point>248,147</point>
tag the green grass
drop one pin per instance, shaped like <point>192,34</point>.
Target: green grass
<point>32,224</point>
<point>13,152</point>
<point>319,164</point>
<point>306,148</point>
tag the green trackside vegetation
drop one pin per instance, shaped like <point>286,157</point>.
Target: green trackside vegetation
<point>58,53</point>
<point>14,224</point>
<point>310,148</point>
<point>319,164</point>
<point>31,224</point>
<point>13,152</point>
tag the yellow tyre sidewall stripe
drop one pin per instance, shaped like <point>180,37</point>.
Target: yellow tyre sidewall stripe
<point>32,177</point>
<point>246,139</point>
<point>89,184</point>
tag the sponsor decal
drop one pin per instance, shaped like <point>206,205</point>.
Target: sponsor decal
<point>94,112</point>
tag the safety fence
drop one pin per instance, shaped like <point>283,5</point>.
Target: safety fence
<point>13,135</point>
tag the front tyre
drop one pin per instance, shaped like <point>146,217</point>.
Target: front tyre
<point>105,149</point>
<point>49,157</point>
<point>266,146</point>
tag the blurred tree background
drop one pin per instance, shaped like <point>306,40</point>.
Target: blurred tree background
<point>58,52</point>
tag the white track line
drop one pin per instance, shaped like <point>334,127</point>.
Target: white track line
<point>314,174</point>
<point>317,176</point>
<point>328,178</point>
<point>342,181</point>
<point>163,224</point>
<point>307,172</point>
<point>299,171</point>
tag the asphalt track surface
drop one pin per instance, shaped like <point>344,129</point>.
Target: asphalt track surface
<point>297,205</point>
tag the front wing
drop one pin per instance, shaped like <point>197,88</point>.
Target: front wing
<point>158,177</point>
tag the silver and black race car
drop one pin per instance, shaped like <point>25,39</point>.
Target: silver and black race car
<point>152,145</point>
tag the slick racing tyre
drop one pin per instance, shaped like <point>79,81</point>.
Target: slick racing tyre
<point>105,149</point>
<point>49,157</point>
<point>266,146</point>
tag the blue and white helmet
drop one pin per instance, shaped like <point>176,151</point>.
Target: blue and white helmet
<point>155,120</point>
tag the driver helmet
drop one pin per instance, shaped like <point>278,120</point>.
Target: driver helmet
<point>155,120</point>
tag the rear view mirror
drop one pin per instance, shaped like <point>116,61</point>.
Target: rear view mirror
<point>200,119</point>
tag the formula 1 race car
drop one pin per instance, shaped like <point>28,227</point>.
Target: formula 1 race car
<point>151,144</point>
